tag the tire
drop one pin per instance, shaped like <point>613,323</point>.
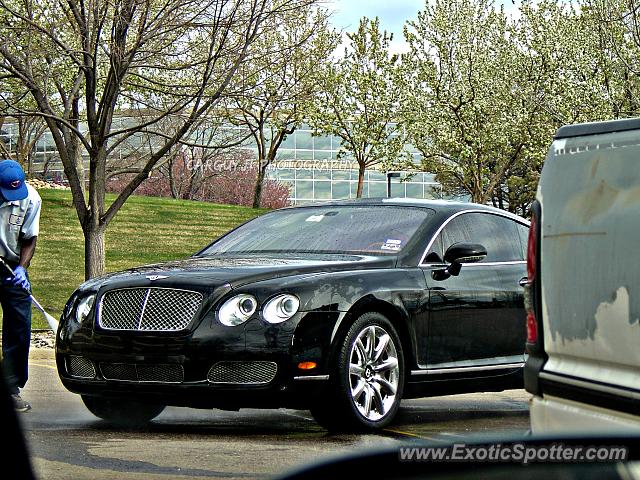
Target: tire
<point>367,378</point>
<point>122,412</point>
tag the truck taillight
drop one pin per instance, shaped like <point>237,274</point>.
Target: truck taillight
<point>532,249</point>
<point>532,253</point>
<point>532,328</point>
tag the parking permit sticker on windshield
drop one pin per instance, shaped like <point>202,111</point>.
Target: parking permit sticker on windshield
<point>315,218</point>
<point>391,244</point>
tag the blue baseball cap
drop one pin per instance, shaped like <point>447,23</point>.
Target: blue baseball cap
<point>12,184</point>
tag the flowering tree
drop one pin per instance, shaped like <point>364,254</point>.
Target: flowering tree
<point>84,62</point>
<point>358,100</point>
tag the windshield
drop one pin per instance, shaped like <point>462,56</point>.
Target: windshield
<point>379,230</point>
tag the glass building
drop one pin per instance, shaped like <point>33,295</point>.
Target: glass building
<point>327,183</point>
<point>308,164</point>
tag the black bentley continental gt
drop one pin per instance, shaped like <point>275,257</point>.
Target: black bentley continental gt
<point>341,308</point>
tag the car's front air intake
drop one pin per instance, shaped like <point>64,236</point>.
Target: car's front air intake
<point>243,373</point>
<point>80,367</point>
<point>148,309</point>
<point>131,372</point>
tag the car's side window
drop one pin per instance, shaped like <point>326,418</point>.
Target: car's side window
<point>498,234</point>
<point>436,252</point>
<point>523,230</point>
<point>506,235</point>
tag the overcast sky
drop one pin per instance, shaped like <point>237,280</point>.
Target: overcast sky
<point>392,13</point>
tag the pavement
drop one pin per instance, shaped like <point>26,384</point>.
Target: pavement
<point>67,442</point>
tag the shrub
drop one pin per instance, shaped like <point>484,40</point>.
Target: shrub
<point>228,179</point>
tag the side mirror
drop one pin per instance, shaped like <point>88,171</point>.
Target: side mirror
<point>465,253</point>
<point>456,255</point>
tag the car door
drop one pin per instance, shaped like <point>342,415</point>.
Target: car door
<point>477,317</point>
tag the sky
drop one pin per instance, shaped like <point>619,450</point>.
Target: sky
<point>392,13</point>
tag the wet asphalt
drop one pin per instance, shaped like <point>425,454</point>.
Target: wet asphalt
<point>67,442</point>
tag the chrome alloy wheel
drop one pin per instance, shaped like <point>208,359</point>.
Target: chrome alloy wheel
<point>374,372</point>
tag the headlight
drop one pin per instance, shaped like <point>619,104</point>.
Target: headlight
<point>237,310</point>
<point>85,304</point>
<point>280,308</point>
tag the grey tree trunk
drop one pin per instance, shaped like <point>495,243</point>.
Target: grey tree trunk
<point>257,194</point>
<point>94,262</point>
<point>361,171</point>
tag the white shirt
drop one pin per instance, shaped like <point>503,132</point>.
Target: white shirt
<point>19,219</point>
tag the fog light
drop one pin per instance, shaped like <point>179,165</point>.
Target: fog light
<point>307,365</point>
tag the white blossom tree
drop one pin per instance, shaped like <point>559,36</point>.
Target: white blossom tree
<point>358,100</point>
<point>279,84</point>
<point>470,95</point>
<point>85,61</point>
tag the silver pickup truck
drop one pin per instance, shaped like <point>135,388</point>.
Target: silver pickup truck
<point>583,293</point>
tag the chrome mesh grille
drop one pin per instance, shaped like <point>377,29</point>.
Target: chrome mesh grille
<point>80,367</point>
<point>121,309</point>
<point>130,372</point>
<point>242,372</point>
<point>148,309</point>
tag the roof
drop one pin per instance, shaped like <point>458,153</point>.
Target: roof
<point>438,205</point>
<point>596,128</point>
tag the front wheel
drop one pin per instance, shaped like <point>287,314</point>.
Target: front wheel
<point>122,412</point>
<point>368,377</point>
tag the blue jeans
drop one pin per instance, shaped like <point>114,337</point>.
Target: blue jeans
<point>16,335</point>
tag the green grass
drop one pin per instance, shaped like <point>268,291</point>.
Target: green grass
<point>146,230</point>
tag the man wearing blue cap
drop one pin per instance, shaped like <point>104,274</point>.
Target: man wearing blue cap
<point>19,228</point>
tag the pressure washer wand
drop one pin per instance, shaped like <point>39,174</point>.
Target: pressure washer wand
<point>53,323</point>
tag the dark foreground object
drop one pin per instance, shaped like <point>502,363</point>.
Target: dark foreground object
<point>14,456</point>
<point>388,464</point>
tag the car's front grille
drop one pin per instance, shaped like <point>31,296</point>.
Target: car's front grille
<point>80,367</point>
<point>148,309</point>
<point>131,372</point>
<point>242,373</point>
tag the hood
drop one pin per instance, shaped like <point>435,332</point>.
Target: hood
<point>232,271</point>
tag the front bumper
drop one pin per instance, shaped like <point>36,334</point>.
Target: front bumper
<point>211,366</point>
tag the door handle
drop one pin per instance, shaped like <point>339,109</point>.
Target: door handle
<point>524,282</point>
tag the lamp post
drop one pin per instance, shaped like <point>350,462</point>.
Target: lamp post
<point>391,175</point>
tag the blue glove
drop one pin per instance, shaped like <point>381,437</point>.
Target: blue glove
<point>20,278</point>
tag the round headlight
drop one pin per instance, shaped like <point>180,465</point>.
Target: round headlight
<point>237,310</point>
<point>85,304</point>
<point>280,308</point>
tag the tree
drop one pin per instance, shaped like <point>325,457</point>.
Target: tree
<point>470,95</point>
<point>29,129</point>
<point>483,94</point>
<point>281,82</point>
<point>589,60</point>
<point>576,86</point>
<point>358,101</point>
<point>189,165</point>
<point>82,61</point>
<point>615,27</point>
<point>192,167</point>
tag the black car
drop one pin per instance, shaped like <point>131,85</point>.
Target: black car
<point>342,308</point>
